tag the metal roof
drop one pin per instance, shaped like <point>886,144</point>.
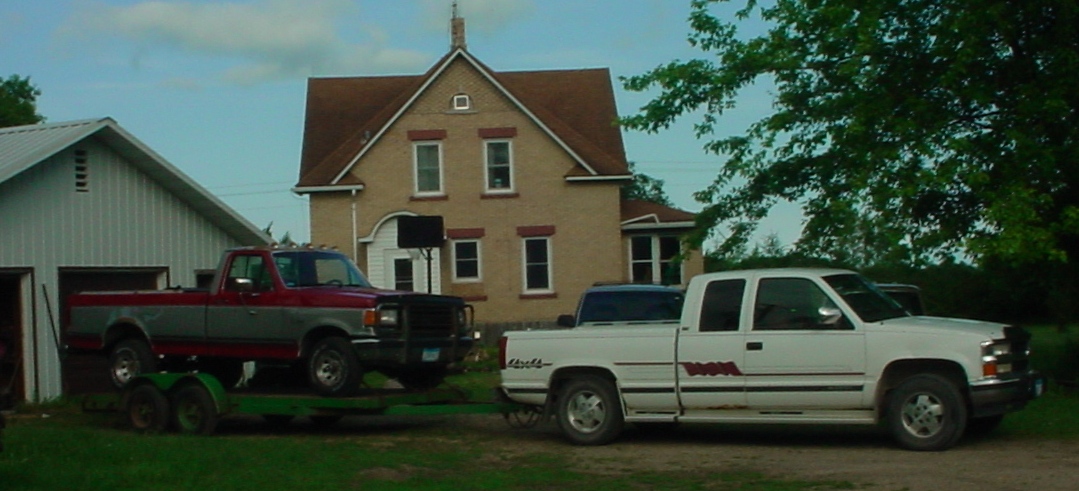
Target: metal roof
<point>22,147</point>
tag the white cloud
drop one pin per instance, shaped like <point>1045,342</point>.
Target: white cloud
<point>484,16</point>
<point>259,40</point>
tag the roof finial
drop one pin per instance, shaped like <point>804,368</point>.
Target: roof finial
<point>457,30</point>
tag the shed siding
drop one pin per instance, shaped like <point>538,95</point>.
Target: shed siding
<point>126,220</point>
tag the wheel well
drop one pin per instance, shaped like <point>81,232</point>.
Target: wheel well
<point>563,375</point>
<point>120,332</point>
<point>318,334</point>
<point>898,371</point>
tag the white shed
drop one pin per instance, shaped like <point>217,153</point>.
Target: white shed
<point>84,205</point>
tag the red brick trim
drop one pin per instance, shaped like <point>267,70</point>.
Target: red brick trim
<point>536,231</point>
<point>499,195</point>
<point>475,298</point>
<point>419,135</point>
<point>465,233</point>
<point>508,132</point>
<point>537,296</point>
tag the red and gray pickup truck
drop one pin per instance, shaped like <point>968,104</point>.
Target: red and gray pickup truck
<point>311,309</point>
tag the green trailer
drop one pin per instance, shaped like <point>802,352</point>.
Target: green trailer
<point>194,403</point>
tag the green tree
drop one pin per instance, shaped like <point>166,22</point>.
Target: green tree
<point>18,102</point>
<point>644,188</point>
<point>913,129</point>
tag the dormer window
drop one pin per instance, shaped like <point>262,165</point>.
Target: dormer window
<point>462,102</point>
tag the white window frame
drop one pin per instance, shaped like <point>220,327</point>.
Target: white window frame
<point>461,102</point>
<point>479,262</point>
<point>487,163</point>
<point>416,169</point>
<point>525,264</point>
<point>655,261</point>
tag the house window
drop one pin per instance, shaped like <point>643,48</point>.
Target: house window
<point>428,168</point>
<point>403,277</point>
<point>466,260</point>
<point>652,260</point>
<point>537,264</point>
<point>499,165</point>
<point>461,102</point>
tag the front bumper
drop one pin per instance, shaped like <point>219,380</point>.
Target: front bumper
<point>1001,395</point>
<point>389,352</point>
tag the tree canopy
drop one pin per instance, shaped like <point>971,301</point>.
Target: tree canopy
<point>18,102</point>
<point>645,188</point>
<point>910,130</point>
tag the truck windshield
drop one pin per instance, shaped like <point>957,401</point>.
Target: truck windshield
<point>317,268</point>
<point>871,304</point>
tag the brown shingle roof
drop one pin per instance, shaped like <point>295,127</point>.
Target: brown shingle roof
<point>343,114</point>
<point>648,212</point>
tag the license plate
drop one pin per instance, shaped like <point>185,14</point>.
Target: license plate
<point>431,354</point>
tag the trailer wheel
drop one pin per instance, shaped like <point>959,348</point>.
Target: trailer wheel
<point>926,412</point>
<point>195,411</point>
<point>334,369</point>
<point>129,359</point>
<point>589,412</point>
<point>147,409</point>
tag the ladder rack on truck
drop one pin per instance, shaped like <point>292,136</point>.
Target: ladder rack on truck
<point>195,402</point>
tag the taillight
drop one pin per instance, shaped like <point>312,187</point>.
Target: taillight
<point>502,342</point>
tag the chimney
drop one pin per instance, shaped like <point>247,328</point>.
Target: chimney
<point>457,30</point>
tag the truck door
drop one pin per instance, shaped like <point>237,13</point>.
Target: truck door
<point>245,318</point>
<point>710,353</point>
<point>793,357</point>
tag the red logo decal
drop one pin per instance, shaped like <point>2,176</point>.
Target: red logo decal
<point>711,368</point>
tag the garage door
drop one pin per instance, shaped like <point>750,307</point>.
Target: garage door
<point>84,374</point>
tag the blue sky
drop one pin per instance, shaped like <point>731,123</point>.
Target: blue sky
<point>218,87</point>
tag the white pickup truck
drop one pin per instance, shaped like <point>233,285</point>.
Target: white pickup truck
<point>812,346</point>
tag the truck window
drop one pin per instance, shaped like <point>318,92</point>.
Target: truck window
<point>722,305</point>
<point>250,267</point>
<point>792,304</point>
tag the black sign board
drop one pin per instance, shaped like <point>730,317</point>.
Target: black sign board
<point>415,232</point>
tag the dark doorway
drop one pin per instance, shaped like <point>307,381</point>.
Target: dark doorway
<point>11,312</point>
<point>88,373</point>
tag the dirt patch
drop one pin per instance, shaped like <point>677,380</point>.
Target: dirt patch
<point>866,458</point>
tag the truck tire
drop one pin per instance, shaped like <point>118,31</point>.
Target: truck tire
<point>334,369</point>
<point>129,359</point>
<point>927,413</point>
<point>589,412</point>
<point>147,409</point>
<point>195,411</point>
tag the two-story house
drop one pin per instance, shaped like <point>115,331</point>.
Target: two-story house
<point>523,167</point>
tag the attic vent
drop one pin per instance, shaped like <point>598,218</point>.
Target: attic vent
<point>461,102</point>
<point>82,172</point>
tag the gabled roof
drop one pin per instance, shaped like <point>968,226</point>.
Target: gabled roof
<point>645,215</point>
<point>23,147</point>
<point>346,116</point>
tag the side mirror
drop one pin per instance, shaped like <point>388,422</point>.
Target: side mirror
<point>244,285</point>
<point>566,320</point>
<point>829,315</point>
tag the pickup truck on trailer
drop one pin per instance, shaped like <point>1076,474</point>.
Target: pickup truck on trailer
<point>311,309</point>
<point>813,346</point>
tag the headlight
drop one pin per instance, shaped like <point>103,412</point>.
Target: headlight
<point>381,318</point>
<point>996,358</point>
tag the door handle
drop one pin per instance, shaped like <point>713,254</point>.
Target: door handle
<point>754,346</point>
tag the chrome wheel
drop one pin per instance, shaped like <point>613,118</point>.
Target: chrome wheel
<point>586,412</point>
<point>923,415</point>
<point>329,368</point>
